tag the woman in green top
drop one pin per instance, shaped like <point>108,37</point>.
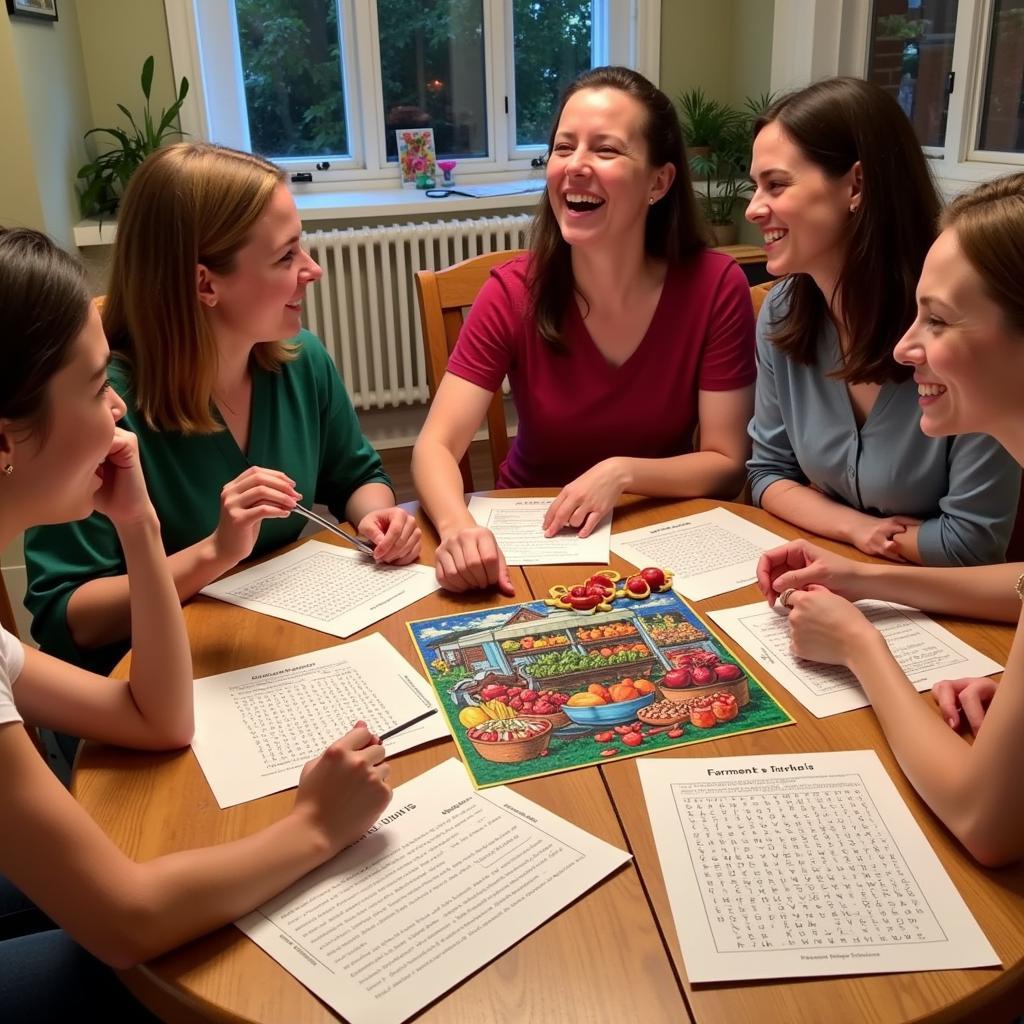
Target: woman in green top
<point>235,422</point>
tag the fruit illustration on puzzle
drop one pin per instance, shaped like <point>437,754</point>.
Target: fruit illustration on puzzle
<point>608,667</point>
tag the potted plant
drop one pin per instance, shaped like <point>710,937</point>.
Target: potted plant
<point>103,179</point>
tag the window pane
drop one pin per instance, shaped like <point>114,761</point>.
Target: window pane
<point>911,57</point>
<point>294,86</point>
<point>552,41</point>
<point>1002,123</point>
<point>432,69</point>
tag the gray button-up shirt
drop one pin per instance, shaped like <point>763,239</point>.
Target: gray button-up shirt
<point>965,488</point>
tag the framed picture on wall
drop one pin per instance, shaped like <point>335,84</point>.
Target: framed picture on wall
<point>45,9</point>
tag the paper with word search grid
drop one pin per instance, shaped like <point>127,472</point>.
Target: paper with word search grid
<point>925,651</point>
<point>518,527</point>
<point>710,553</point>
<point>413,908</point>
<point>256,727</point>
<point>789,866</point>
<point>325,587</point>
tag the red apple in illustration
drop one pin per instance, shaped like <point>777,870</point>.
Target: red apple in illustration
<point>703,676</point>
<point>677,678</point>
<point>637,586</point>
<point>728,672</point>
<point>655,577</point>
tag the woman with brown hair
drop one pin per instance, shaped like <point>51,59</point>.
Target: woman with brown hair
<point>61,457</point>
<point>620,334</point>
<point>848,209</point>
<point>966,352</point>
<point>239,413</point>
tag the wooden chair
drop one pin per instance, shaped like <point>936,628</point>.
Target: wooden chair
<point>443,296</point>
<point>758,293</point>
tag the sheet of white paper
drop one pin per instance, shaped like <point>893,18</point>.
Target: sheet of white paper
<point>325,587</point>
<point>517,524</point>
<point>785,866</point>
<point>256,727</point>
<point>710,553</point>
<point>925,651</point>
<point>446,880</point>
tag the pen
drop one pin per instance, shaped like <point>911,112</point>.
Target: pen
<point>406,725</point>
<point>357,542</point>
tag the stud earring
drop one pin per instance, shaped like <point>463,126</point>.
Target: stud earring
<point>853,207</point>
<point>8,470</point>
<point>651,201</point>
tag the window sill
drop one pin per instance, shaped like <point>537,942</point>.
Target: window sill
<point>352,206</point>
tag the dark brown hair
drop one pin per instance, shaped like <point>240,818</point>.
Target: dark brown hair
<point>989,226</point>
<point>835,123</point>
<point>675,231</point>
<point>44,305</point>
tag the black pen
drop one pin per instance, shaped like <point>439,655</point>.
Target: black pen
<point>406,725</point>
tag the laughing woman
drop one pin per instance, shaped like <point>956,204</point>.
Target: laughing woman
<point>239,413</point>
<point>61,457</point>
<point>620,334</point>
<point>966,349</point>
<point>848,209</point>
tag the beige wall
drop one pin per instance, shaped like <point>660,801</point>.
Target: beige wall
<point>698,46</point>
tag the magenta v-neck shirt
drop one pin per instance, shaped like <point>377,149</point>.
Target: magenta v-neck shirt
<point>575,409</point>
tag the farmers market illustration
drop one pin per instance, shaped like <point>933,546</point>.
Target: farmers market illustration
<point>604,669</point>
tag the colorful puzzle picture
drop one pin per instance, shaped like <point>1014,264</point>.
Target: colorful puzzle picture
<point>531,690</point>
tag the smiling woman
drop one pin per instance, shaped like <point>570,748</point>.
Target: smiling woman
<point>620,333</point>
<point>239,413</point>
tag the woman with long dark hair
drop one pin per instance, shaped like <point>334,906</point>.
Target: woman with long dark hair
<point>620,333</point>
<point>848,210</point>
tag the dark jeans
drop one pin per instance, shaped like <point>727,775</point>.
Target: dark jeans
<point>45,976</point>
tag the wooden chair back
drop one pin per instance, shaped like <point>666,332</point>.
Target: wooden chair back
<point>443,296</point>
<point>758,293</point>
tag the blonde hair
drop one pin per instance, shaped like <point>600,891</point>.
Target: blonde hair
<point>989,226</point>
<point>187,204</point>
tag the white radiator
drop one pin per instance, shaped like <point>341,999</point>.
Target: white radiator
<point>364,307</point>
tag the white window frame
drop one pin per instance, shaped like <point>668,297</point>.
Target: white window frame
<point>627,32</point>
<point>816,38</point>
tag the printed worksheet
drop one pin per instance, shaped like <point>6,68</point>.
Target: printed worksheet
<point>446,880</point>
<point>788,866</point>
<point>710,553</point>
<point>325,587</point>
<point>518,527</point>
<point>256,727</point>
<point>925,651</point>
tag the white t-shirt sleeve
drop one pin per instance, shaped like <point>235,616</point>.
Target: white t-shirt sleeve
<point>12,659</point>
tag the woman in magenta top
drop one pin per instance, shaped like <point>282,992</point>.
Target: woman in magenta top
<point>620,332</point>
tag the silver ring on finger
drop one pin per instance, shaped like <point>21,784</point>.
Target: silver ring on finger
<point>786,595</point>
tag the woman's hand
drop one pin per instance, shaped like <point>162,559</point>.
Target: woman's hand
<point>393,533</point>
<point>588,499</point>
<point>253,496</point>
<point>825,627</point>
<point>469,559</point>
<point>873,536</point>
<point>345,789</point>
<point>973,695</point>
<point>799,563</point>
<point>123,497</point>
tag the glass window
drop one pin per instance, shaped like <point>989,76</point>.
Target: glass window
<point>1002,119</point>
<point>294,82</point>
<point>552,44</point>
<point>911,57</point>
<point>432,71</point>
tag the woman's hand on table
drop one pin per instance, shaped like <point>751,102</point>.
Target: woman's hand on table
<point>393,533</point>
<point>123,497</point>
<point>345,789</point>
<point>468,558</point>
<point>253,496</point>
<point>972,695</point>
<point>874,536</point>
<point>799,563</point>
<point>825,627</point>
<point>585,501</point>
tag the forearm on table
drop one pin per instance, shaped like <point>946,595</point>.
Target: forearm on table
<point>99,611</point>
<point>161,670</point>
<point>438,482</point>
<point>694,475</point>
<point>366,499</point>
<point>809,509</point>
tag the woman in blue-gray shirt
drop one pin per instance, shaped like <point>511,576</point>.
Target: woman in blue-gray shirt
<point>848,210</point>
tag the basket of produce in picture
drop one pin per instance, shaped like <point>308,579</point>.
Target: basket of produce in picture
<point>510,740</point>
<point>701,673</point>
<point>568,671</point>
<point>608,705</point>
<point>517,702</point>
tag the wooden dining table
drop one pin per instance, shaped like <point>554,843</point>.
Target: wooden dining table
<point>612,955</point>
